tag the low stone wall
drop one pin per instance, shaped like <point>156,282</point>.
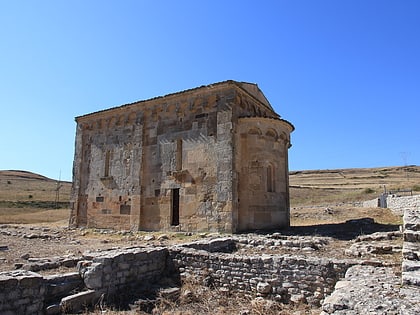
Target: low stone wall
<point>284,278</point>
<point>113,271</point>
<point>108,273</point>
<point>115,274</point>
<point>21,292</point>
<point>397,203</point>
<point>411,248</point>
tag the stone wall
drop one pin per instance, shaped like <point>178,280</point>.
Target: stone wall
<point>21,292</point>
<point>117,270</point>
<point>284,278</point>
<point>397,203</point>
<point>411,248</point>
<point>261,161</point>
<point>115,275</point>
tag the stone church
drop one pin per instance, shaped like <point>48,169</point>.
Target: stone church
<point>212,158</point>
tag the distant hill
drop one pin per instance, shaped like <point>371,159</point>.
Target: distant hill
<point>22,174</point>
<point>17,185</point>
<point>394,177</point>
<point>352,184</point>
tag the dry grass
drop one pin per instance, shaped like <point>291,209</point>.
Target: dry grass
<point>31,198</point>
<point>33,216</point>
<point>198,299</point>
<point>24,186</point>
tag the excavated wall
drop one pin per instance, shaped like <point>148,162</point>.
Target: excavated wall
<point>114,274</point>
<point>120,272</point>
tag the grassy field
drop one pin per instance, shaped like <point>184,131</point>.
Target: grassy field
<point>31,198</point>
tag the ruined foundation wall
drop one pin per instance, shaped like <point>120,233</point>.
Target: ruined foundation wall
<point>411,248</point>
<point>21,293</point>
<point>115,274</point>
<point>121,270</point>
<point>289,278</point>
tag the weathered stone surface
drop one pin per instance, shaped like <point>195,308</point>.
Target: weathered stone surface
<point>60,285</point>
<point>285,277</point>
<point>79,301</point>
<point>379,236</point>
<point>368,248</point>
<point>224,245</point>
<point>369,289</point>
<point>22,292</point>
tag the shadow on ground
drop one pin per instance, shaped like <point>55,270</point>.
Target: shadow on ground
<point>343,231</point>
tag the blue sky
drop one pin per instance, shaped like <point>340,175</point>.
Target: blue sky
<point>345,73</point>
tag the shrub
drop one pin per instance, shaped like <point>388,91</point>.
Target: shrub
<point>368,191</point>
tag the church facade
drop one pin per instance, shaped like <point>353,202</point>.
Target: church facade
<point>213,158</point>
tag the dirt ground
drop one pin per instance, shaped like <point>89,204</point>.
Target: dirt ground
<point>21,242</point>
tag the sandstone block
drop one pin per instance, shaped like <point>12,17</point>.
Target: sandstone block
<point>77,302</point>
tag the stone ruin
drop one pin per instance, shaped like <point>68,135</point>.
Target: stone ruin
<point>339,286</point>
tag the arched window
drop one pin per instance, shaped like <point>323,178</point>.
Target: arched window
<point>254,131</point>
<point>271,133</point>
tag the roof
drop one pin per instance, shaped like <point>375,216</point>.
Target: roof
<point>251,89</point>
